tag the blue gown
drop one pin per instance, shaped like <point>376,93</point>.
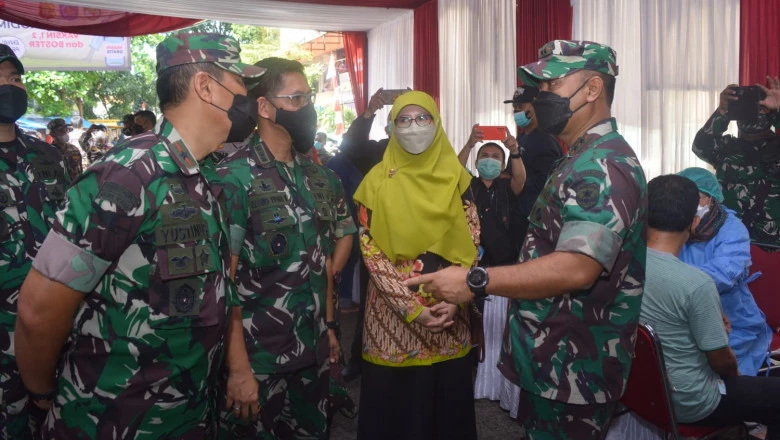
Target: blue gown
<point>726,258</point>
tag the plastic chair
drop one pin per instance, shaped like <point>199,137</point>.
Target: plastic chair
<point>648,392</point>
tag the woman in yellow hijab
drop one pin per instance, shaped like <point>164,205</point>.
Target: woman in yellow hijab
<point>416,217</point>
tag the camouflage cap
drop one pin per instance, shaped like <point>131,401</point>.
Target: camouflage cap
<point>188,48</point>
<point>523,95</point>
<point>558,58</point>
<point>57,123</point>
<point>7,54</point>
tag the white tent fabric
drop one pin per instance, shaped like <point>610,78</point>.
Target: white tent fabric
<point>675,57</point>
<point>477,54</point>
<point>272,13</point>
<point>390,62</point>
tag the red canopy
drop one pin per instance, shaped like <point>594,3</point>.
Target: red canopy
<point>89,21</point>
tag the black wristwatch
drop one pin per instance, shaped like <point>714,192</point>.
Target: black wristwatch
<point>477,279</point>
<point>337,277</point>
<point>41,397</point>
<point>516,156</point>
<point>333,325</point>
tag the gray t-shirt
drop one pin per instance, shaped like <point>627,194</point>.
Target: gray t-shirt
<point>681,303</point>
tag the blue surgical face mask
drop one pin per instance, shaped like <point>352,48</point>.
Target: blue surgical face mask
<point>318,145</point>
<point>489,168</point>
<point>522,120</point>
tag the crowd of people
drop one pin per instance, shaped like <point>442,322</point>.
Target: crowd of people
<point>187,282</point>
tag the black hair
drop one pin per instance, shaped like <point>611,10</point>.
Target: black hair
<point>672,203</point>
<point>609,86</point>
<point>493,144</point>
<point>272,80</point>
<point>148,115</point>
<point>173,83</point>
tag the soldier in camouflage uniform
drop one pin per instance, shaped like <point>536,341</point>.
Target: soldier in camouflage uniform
<point>33,180</point>
<point>747,167</point>
<point>287,216</point>
<point>135,268</point>
<point>569,340</point>
<point>59,130</point>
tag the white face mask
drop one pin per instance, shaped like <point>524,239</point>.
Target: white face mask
<point>701,211</point>
<point>63,138</point>
<point>415,139</point>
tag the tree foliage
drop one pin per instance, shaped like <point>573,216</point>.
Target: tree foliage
<point>57,93</point>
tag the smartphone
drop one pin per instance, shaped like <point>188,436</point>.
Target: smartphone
<point>493,132</point>
<point>746,108</point>
<point>391,94</point>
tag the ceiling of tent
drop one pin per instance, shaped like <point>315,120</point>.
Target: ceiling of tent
<point>322,15</point>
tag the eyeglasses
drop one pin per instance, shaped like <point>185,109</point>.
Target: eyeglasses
<point>300,99</point>
<point>421,120</point>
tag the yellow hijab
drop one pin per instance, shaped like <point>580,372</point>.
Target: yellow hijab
<point>415,200</point>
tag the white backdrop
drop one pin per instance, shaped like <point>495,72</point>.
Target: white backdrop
<point>477,65</point>
<point>675,56</point>
<point>390,62</point>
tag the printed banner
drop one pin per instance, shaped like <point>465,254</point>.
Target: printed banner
<point>40,49</point>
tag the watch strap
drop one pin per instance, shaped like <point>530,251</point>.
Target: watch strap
<point>35,397</point>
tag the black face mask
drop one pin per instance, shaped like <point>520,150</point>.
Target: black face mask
<point>13,103</point>
<point>301,124</point>
<point>242,114</point>
<point>553,111</point>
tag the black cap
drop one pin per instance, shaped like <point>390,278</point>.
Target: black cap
<point>7,54</point>
<point>523,95</point>
<point>57,123</point>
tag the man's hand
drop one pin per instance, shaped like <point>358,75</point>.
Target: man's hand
<point>772,101</point>
<point>728,94</point>
<point>476,136</point>
<point>511,144</point>
<point>443,314</point>
<point>334,345</point>
<point>447,284</point>
<point>242,394</point>
<point>375,103</point>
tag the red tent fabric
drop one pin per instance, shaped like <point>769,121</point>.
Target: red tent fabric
<point>426,49</point>
<point>88,21</point>
<point>355,50</point>
<point>759,32</point>
<point>539,21</point>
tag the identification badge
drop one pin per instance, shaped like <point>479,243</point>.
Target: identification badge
<point>184,298</point>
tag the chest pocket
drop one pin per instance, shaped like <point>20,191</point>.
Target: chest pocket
<point>273,220</point>
<point>188,261</point>
<point>50,173</point>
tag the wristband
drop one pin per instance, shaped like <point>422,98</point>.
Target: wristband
<point>332,325</point>
<point>515,156</point>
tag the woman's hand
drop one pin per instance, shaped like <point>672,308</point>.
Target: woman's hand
<point>242,394</point>
<point>444,314</point>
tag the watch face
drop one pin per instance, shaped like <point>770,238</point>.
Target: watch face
<point>477,278</point>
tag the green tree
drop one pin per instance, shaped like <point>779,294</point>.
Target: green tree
<point>57,93</point>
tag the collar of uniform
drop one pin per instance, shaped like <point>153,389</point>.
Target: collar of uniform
<point>260,152</point>
<point>177,148</point>
<point>600,129</point>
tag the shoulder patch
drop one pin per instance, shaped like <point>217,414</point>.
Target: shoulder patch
<point>118,195</point>
<point>587,195</point>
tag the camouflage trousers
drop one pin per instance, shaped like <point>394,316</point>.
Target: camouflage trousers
<point>545,419</point>
<point>292,406</point>
<point>14,416</point>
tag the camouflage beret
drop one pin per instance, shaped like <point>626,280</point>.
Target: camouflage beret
<point>523,95</point>
<point>7,54</point>
<point>558,58</point>
<point>188,48</point>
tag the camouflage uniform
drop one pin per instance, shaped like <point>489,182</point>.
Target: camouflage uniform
<point>748,172</point>
<point>144,237</point>
<point>72,156</point>
<point>571,354</point>
<point>284,222</point>
<point>33,181</point>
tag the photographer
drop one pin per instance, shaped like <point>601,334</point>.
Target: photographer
<point>748,166</point>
